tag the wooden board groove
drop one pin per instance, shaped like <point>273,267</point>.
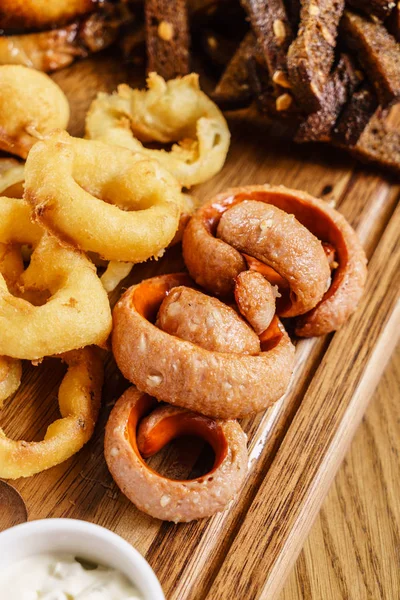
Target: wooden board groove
<point>218,558</point>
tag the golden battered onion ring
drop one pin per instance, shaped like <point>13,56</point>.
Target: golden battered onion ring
<point>31,105</point>
<point>79,400</point>
<point>10,377</point>
<point>57,48</point>
<point>76,314</point>
<point>117,271</point>
<point>132,432</point>
<point>103,199</point>
<point>215,265</point>
<point>218,384</point>
<point>41,14</point>
<point>11,178</point>
<point>173,111</point>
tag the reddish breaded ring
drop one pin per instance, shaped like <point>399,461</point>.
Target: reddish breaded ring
<point>131,434</point>
<point>218,384</point>
<point>215,264</point>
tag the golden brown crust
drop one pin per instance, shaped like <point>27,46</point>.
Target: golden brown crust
<point>31,105</point>
<point>79,400</point>
<point>218,384</point>
<point>42,14</point>
<point>158,496</point>
<point>222,263</point>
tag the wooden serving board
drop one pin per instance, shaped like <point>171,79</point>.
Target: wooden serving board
<point>296,446</point>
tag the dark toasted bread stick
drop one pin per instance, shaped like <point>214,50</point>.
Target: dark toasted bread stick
<point>310,56</point>
<point>232,90</point>
<point>378,53</point>
<point>355,116</point>
<point>167,37</point>
<point>340,86</point>
<point>272,29</point>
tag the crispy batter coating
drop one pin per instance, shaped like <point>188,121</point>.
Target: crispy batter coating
<point>10,377</point>
<point>130,435</point>
<point>55,305</point>
<point>121,205</point>
<point>167,112</point>
<point>79,399</point>
<point>42,14</point>
<point>31,105</point>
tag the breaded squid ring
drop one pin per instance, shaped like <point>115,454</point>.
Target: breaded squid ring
<point>31,105</point>
<point>41,14</point>
<point>79,400</point>
<point>74,310</point>
<point>172,111</point>
<point>218,384</point>
<point>131,434</point>
<point>57,48</point>
<point>103,199</point>
<point>10,377</point>
<point>214,264</point>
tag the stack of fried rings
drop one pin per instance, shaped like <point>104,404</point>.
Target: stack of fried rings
<point>120,205</point>
<point>196,353</point>
<point>59,304</point>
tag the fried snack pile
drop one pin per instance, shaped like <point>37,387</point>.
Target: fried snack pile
<point>51,35</point>
<point>263,252</point>
<point>73,205</point>
<point>168,112</point>
<point>31,105</point>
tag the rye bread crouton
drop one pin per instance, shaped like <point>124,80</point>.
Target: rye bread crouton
<point>311,55</point>
<point>378,53</point>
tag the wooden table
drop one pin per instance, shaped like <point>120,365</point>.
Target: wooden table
<point>296,446</point>
<point>353,550</point>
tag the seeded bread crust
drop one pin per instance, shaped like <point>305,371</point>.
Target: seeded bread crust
<point>272,29</point>
<point>311,55</point>
<point>379,8</point>
<point>379,144</point>
<point>378,53</point>
<point>167,37</point>
<point>339,88</point>
<point>355,116</point>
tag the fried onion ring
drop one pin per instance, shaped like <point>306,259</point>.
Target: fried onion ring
<point>31,105</point>
<point>79,400</point>
<point>40,14</point>
<point>11,178</point>
<point>73,309</point>
<point>10,377</point>
<point>103,199</point>
<point>57,48</point>
<point>132,433</point>
<point>214,264</point>
<point>218,384</point>
<point>173,111</point>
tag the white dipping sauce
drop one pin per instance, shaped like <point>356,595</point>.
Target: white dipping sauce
<point>61,577</point>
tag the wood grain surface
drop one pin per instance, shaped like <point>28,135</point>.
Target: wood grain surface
<point>296,446</point>
<point>353,550</point>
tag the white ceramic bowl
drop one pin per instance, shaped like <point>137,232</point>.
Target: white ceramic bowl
<point>82,539</point>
